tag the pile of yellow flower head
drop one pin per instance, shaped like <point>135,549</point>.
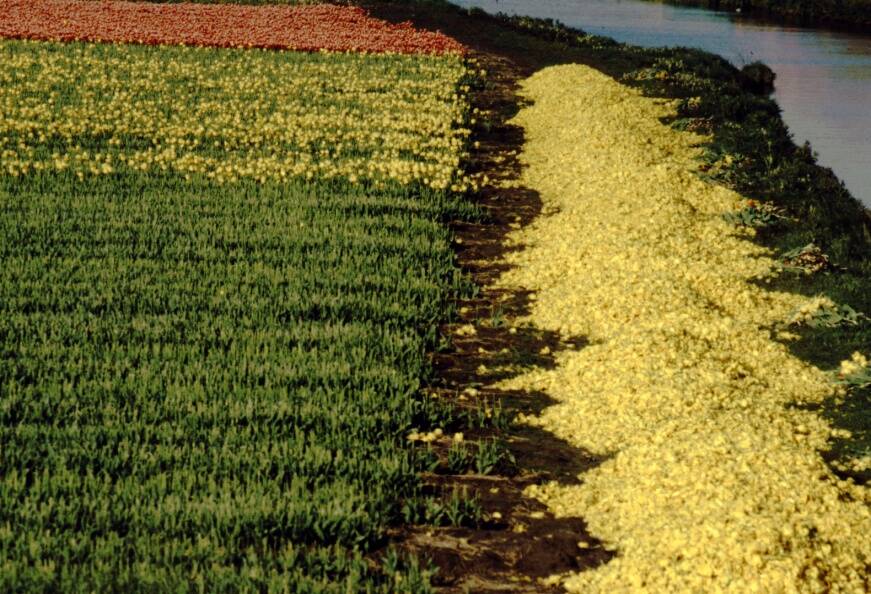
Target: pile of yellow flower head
<point>712,481</point>
<point>90,109</point>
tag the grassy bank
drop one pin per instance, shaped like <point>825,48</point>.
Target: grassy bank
<point>846,13</point>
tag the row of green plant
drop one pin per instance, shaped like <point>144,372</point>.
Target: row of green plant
<point>206,386</point>
<point>192,383</point>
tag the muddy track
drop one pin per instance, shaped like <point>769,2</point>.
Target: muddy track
<point>520,542</point>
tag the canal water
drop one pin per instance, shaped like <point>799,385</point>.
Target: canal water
<point>823,80</point>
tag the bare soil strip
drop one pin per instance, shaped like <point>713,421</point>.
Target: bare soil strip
<point>521,543</point>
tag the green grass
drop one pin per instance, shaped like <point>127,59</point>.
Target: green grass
<point>206,387</point>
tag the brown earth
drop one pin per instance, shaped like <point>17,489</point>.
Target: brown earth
<point>519,541</point>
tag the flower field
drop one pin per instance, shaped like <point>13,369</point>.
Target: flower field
<point>220,271</point>
<point>229,247</point>
<point>302,28</point>
<point>87,110</point>
<point>712,480</point>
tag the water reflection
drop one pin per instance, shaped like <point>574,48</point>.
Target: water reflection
<point>823,77</point>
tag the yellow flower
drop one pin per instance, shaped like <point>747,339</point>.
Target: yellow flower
<point>234,115</point>
<point>710,480</point>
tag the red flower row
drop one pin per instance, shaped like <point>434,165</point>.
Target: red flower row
<point>302,28</point>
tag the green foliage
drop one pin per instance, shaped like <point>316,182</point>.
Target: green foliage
<point>487,456</point>
<point>206,387</point>
<point>858,379</point>
<point>459,458</point>
<point>754,215</point>
<point>494,456</point>
<point>427,459</point>
<point>488,414</point>
<point>408,575</point>
<point>835,317</point>
<point>456,509</point>
<point>191,371</point>
<point>497,317</point>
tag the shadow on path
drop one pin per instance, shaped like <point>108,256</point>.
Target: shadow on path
<point>520,540</point>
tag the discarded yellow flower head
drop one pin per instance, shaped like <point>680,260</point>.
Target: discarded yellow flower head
<point>711,483</point>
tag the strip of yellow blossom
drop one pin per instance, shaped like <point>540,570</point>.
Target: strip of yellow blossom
<point>88,110</point>
<point>712,484</point>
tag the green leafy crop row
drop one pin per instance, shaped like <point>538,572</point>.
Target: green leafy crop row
<point>207,387</point>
